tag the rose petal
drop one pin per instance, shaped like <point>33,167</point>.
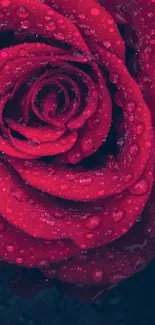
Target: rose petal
<point>37,134</point>
<point>40,15</point>
<point>89,225</point>
<point>91,17</point>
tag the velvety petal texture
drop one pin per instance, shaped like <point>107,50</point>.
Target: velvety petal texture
<point>77,88</point>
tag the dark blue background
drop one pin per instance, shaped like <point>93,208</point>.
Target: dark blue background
<point>131,303</point>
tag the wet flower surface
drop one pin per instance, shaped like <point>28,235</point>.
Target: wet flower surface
<point>77,140</point>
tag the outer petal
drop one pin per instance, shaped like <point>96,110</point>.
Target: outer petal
<point>56,26</point>
<point>115,262</point>
<point>94,21</point>
<point>88,225</point>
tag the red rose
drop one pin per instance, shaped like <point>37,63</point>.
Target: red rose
<point>77,165</point>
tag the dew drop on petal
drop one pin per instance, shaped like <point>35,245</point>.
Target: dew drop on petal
<point>25,24</point>
<point>140,127</point>
<point>118,215</point>
<point>19,260</point>
<point>140,188</point>
<point>134,149</point>
<point>107,44</point>
<point>4,54</point>
<point>94,11</point>
<point>50,12</point>
<point>17,193</point>
<point>10,248</point>
<point>97,275</point>
<point>87,144</point>
<point>74,158</point>
<point>59,36</point>
<point>127,178</point>
<point>43,263</point>
<point>70,177</point>
<point>101,192</point>
<point>147,53</point>
<point>116,278</point>
<point>85,181</point>
<point>50,26</point>
<point>148,144</point>
<point>64,187</point>
<point>89,236</point>
<point>8,210</point>
<point>22,52</point>
<point>131,106</point>
<point>93,222</point>
<point>82,16</point>
<point>5,3</point>
<point>22,12</point>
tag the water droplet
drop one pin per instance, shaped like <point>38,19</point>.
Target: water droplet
<point>82,16</point>
<point>5,3</point>
<point>93,222</point>
<point>129,201</point>
<point>134,149</point>
<point>10,248</point>
<point>110,21</point>
<point>8,210</point>
<point>140,188</point>
<point>101,192</point>
<point>131,106</point>
<point>60,21</point>
<point>4,54</point>
<point>111,30</point>
<point>64,187</point>
<point>59,215</point>
<point>150,14</point>
<point>127,178</point>
<point>140,127</point>
<point>97,275</point>
<point>114,278</point>
<point>43,263</point>
<point>87,144</point>
<point>70,177</point>
<point>120,142</point>
<point>50,26</point>
<point>109,255</point>
<point>107,44</point>
<point>22,12</point>
<point>25,24</point>
<point>148,144</point>
<point>89,236</point>
<point>51,273</point>
<point>82,259</point>
<point>17,193</point>
<point>118,215</point>
<point>138,263</point>
<point>85,181</point>
<point>23,52</point>
<point>50,12</point>
<point>147,53</point>
<point>19,260</point>
<point>150,231</point>
<point>59,36</point>
<point>113,78</point>
<point>74,158</point>
<point>94,11</point>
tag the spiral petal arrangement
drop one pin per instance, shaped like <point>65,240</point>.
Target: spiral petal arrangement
<point>77,140</point>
